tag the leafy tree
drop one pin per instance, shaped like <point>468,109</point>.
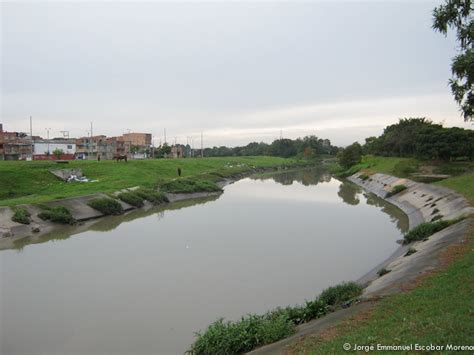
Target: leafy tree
<point>57,153</point>
<point>350,155</point>
<point>456,15</point>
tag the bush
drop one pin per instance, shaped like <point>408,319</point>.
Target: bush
<point>154,197</point>
<point>187,185</point>
<point>341,293</point>
<point>21,215</point>
<point>107,206</point>
<point>58,214</point>
<point>364,177</point>
<point>132,198</point>
<point>395,190</point>
<point>426,229</point>
<point>241,336</point>
<point>256,330</point>
<point>350,155</point>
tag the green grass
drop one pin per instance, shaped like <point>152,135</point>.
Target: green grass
<point>152,196</point>
<point>57,214</point>
<point>107,206</point>
<point>187,185</point>
<point>21,215</point>
<point>132,198</point>
<point>439,310</point>
<point>424,230</point>
<point>235,337</point>
<point>27,182</point>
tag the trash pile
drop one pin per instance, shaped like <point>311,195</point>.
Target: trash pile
<point>75,178</point>
<point>71,175</point>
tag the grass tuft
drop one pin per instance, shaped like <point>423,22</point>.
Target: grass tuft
<point>57,214</point>
<point>132,198</point>
<point>424,230</point>
<point>188,185</point>
<point>21,215</point>
<point>107,206</point>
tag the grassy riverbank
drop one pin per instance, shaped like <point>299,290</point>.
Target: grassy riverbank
<point>23,182</point>
<point>438,310</point>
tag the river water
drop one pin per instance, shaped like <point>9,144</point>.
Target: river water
<point>143,283</point>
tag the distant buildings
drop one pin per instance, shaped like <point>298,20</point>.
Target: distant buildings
<point>20,146</point>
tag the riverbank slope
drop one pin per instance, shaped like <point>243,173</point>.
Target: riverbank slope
<point>434,307</point>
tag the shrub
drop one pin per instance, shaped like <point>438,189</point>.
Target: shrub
<point>107,206</point>
<point>383,271</point>
<point>410,251</point>
<point>21,215</point>
<point>437,217</point>
<point>256,330</point>
<point>395,190</point>
<point>426,229</point>
<point>187,185</point>
<point>241,336</point>
<point>154,197</point>
<point>338,294</point>
<point>132,198</point>
<point>364,177</point>
<point>350,155</point>
<point>58,214</point>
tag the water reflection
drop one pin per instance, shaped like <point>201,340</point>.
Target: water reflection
<point>349,193</point>
<point>109,223</point>
<point>306,177</point>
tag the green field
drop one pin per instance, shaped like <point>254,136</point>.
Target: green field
<point>25,182</point>
<point>440,310</point>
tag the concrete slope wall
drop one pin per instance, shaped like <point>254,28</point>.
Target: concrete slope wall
<point>421,202</point>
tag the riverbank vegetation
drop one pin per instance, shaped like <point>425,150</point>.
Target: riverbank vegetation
<point>188,185</point>
<point>27,182</point>
<point>425,230</point>
<point>21,215</point>
<point>236,337</point>
<point>107,206</point>
<point>57,214</point>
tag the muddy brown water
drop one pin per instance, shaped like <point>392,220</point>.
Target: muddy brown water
<point>143,283</point>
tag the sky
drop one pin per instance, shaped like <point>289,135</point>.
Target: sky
<point>237,71</point>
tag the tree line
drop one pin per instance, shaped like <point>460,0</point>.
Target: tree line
<point>308,147</point>
<point>414,137</point>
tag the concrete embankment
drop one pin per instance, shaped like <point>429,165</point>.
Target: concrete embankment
<point>420,202</point>
<point>11,231</point>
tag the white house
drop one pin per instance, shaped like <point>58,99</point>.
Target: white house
<point>42,147</point>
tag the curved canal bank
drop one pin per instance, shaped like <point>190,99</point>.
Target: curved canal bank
<point>420,202</point>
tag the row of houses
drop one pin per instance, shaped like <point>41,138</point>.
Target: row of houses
<point>21,146</point>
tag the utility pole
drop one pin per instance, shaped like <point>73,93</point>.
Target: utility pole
<point>92,141</point>
<point>165,135</point>
<point>202,149</point>
<point>31,137</point>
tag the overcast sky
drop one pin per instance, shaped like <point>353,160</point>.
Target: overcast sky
<point>239,71</point>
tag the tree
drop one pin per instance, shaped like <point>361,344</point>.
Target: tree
<point>350,155</point>
<point>57,153</point>
<point>456,15</point>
